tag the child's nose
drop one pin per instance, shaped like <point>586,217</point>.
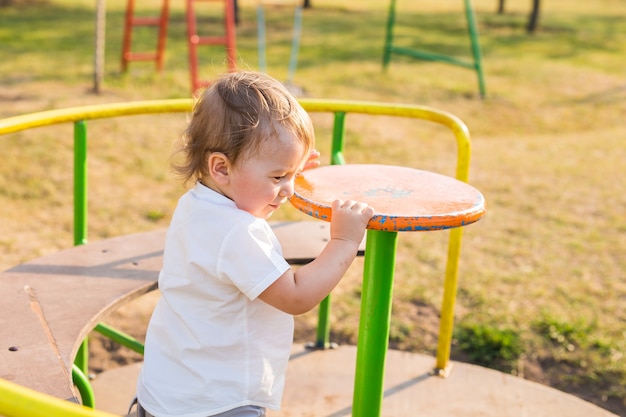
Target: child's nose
<point>287,190</point>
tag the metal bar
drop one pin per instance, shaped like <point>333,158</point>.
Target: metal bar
<point>374,323</point>
<point>80,182</point>
<point>391,21</point>
<point>431,56</point>
<point>108,110</point>
<point>128,33</point>
<point>192,44</point>
<point>339,126</point>
<point>81,361</point>
<point>322,340</point>
<point>260,19</point>
<point>473,34</point>
<point>162,35</point>
<point>120,337</point>
<point>84,387</point>
<point>336,158</point>
<point>82,357</point>
<point>295,44</point>
<point>231,36</point>
<point>446,323</point>
<point>17,400</point>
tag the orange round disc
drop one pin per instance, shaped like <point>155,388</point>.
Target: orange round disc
<point>404,199</point>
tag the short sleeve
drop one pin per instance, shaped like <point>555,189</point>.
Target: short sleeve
<point>251,258</point>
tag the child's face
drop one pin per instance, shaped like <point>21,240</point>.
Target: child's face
<point>260,184</point>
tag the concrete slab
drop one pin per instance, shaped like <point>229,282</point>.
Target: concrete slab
<point>319,384</point>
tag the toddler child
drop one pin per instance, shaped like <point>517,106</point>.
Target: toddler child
<point>219,338</point>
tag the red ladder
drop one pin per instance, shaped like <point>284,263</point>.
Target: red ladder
<point>194,40</point>
<point>132,21</point>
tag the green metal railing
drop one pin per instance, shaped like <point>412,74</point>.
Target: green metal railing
<point>80,115</point>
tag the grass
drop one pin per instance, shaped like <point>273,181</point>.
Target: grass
<point>545,268</point>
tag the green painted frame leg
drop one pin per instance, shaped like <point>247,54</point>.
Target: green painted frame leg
<point>391,21</point>
<point>120,337</point>
<point>374,323</point>
<point>84,387</point>
<point>476,52</point>
<point>322,340</point>
<point>82,356</point>
<point>323,317</point>
<point>80,182</point>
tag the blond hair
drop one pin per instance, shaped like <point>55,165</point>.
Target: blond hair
<point>237,114</point>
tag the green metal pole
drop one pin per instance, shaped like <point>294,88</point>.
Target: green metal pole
<point>120,337</point>
<point>336,158</point>
<point>339,127</point>
<point>82,357</point>
<point>81,362</point>
<point>80,182</point>
<point>391,20</point>
<point>81,381</point>
<point>322,340</point>
<point>473,33</point>
<point>80,370</point>
<point>374,323</point>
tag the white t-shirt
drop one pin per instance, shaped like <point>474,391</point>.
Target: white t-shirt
<point>211,344</point>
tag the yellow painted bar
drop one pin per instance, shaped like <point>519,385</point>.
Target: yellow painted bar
<point>102,111</point>
<point>97,111</point>
<point>458,128</point>
<point>450,284</point>
<point>19,401</point>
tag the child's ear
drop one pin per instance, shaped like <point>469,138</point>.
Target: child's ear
<point>219,167</point>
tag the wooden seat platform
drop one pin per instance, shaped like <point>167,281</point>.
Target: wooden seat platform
<point>50,304</point>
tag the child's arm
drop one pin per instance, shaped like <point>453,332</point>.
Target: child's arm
<point>298,292</point>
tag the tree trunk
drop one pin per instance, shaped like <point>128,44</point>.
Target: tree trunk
<point>533,19</point>
<point>98,72</point>
<point>500,6</point>
<point>307,4</point>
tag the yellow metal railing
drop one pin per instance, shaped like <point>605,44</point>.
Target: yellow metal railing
<point>19,401</point>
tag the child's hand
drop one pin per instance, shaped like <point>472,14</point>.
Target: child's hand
<point>349,220</point>
<point>313,161</point>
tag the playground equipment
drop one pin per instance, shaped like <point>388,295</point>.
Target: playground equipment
<point>194,39</point>
<point>297,32</point>
<point>405,200</point>
<point>79,117</point>
<point>475,65</point>
<point>132,21</point>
